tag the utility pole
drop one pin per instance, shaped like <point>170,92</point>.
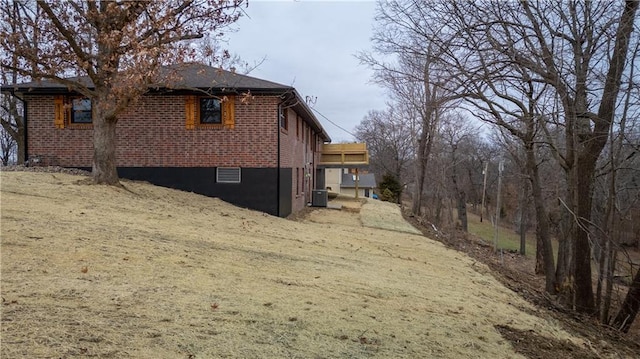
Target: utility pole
<point>484,187</point>
<point>500,169</point>
<point>357,181</point>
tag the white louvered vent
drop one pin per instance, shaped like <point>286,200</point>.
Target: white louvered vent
<point>228,175</point>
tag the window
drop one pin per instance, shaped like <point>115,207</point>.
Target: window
<point>228,175</point>
<point>210,111</point>
<point>80,110</point>
<point>70,110</point>
<point>298,125</point>
<point>284,120</point>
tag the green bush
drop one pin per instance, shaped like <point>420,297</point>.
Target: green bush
<point>390,188</point>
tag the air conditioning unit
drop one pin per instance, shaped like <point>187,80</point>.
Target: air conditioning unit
<point>319,198</point>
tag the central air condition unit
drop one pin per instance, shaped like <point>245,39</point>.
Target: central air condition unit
<point>319,198</point>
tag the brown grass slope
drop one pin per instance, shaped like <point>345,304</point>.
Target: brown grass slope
<point>148,272</point>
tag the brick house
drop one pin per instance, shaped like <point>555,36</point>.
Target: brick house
<point>202,134</point>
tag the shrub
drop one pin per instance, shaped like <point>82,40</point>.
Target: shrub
<point>391,188</point>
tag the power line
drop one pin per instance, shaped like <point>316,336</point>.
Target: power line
<point>333,123</point>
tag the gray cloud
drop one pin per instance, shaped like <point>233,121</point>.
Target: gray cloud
<point>311,45</point>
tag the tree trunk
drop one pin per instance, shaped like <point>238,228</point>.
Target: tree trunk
<point>602,262</point>
<point>522,222</point>
<point>438,214</point>
<point>583,280</point>
<point>564,267</point>
<point>421,165</point>
<point>21,155</point>
<point>589,149</point>
<point>104,147</point>
<point>543,239</point>
<point>424,150</point>
<point>461,195</point>
<point>611,264</point>
<point>630,306</point>
<point>462,210</point>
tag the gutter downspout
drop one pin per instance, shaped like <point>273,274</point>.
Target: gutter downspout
<point>26,139</point>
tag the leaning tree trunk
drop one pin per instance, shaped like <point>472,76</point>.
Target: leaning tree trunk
<point>104,147</point>
<point>630,306</point>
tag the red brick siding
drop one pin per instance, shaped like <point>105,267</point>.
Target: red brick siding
<point>153,134</point>
<point>296,152</point>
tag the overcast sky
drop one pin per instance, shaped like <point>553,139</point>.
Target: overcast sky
<point>310,45</point>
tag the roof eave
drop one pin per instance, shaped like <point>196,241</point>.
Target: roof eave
<point>301,106</point>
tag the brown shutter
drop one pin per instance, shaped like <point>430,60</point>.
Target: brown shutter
<point>59,111</point>
<point>190,112</point>
<point>229,112</point>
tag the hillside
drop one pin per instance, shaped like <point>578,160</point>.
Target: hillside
<point>148,272</point>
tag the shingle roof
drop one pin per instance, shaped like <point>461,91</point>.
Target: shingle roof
<point>205,77</point>
<point>366,180</point>
<point>184,77</point>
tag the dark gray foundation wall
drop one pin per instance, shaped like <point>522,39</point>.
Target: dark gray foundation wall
<point>257,189</point>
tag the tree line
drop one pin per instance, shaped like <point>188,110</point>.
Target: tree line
<point>552,89</point>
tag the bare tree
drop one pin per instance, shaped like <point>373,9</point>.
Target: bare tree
<point>539,70</point>
<point>12,118</point>
<point>12,122</point>
<point>8,147</point>
<point>119,46</point>
<point>456,133</point>
<point>415,76</point>
<point>618,194</point>
<point>578,50</point>
<point>504,93</point>
<point>388,140</point>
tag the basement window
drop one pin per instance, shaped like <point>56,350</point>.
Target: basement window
<point>228,175</point>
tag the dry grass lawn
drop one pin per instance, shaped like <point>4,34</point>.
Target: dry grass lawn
<point>149,272</point>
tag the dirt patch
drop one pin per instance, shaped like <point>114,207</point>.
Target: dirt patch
<point>534,346</point>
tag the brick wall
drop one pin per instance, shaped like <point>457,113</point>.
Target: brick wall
<point>153,134</point>
<point>297,145</point>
